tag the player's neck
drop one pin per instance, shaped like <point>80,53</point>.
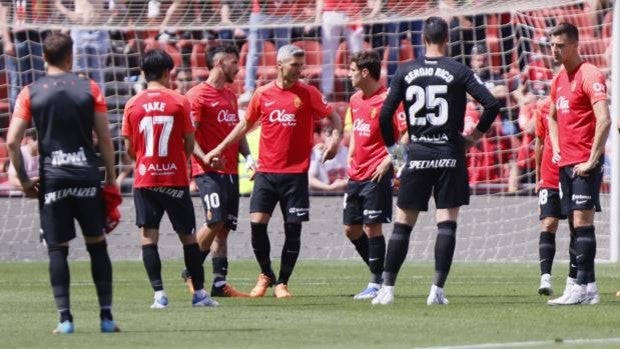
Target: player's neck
<point>371,88</point>
<point>572,64</point>
<point>156,85</point>
<point>284,83</point>
<point>435,51</point>
<point>216,79</point>
<point>56,70</point>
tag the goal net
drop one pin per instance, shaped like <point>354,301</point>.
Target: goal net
<point>505,42</point>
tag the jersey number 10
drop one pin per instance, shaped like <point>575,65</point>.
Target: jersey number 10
<point>427,98</point>
<point>147,128</point>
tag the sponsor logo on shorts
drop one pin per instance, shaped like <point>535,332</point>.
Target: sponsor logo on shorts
<point>58,195</point>
<point>77,158</point>
<point>299,211</point>
<point>437,163</point>
<point>372,214</point>
<point>174,193</point>
<point>580,199</point>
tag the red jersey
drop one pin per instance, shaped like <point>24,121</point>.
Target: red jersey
<point>155,121</point>
<point>525,157</point>
<point>287,118</point>
<point>549,172</point>
<point>574,94</point>
<point>481,163</point>
<point>369,147</point>
<point>215,114</point>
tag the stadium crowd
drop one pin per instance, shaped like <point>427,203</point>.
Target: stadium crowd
<point>510,53</point>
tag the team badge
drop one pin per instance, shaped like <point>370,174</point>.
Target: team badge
<point>297,102</point>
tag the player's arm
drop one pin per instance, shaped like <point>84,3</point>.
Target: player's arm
<point>243,127</point>
<point>538,147</point>
<point>552,124</point>
<point>601,132</point>
<point>189,142</point>
<point>351,152</point>
<point>105,146</point>
<point>490,105</point>
<point>334,141</point>
<point>5,33</point>
<point>244,149</point>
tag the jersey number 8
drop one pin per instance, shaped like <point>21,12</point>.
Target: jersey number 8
<point>427,98</point>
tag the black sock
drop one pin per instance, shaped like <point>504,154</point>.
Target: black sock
<point>220,268</point>
<point>572,265</point>
<point>203,256</point>
<point>60,280</point>
<point>290,251</point>
<point>376,257</point>
<point>585,246</point>
<point>546,251</point>
<point>262,248</point>
<point>444,251</point>
<point>152,264</point>
<point>193,263</point>
<point>396,252</point>
<point>101,270</point>
<point>361,246</point>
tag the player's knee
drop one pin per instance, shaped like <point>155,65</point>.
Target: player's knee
<point>62,249</point>
<point>447,228</point>
<point>549,225</point>
<point>292,231</point>
<point>352,232</point>
<point>373,230</point>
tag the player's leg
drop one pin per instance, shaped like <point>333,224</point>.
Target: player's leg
<point>295,205</point>
<point>220,287</point>
<point>262,202</point>
<point>89,213</point>
<point>445,244</point>
<point>546,252</point>
<point>355,234</point>
<point>352,218</point>
<point>57,228</point>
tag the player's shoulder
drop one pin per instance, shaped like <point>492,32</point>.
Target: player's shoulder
<point>356,97</point>
<point>131,102</point>
<point>266,87</point>
<point>590,72</point>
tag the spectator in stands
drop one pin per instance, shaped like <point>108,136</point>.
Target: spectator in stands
<point>90,46</point>
<point>527,123</point>
<point>22,46</point>
<point>232,13</point>
<point>495,82</point>
<point>330,176</point>
<point>264,13</point>
<point>183,81</point>
<point>335,17</point>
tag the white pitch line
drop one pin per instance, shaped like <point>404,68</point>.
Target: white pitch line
<point>529,343</point>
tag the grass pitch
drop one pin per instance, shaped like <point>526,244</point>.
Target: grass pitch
<point>489,304</point>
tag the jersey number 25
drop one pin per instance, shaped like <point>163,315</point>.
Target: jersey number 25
<point>427,98</point>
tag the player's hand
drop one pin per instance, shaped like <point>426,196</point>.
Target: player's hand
<point>331,149</point>
<point>214,159</point>
<point>31,188</point>
<point>250,166</point>
<point>583,169</point>
<point>382,169</point>
<point>556,157</point>
<point>9,48</point>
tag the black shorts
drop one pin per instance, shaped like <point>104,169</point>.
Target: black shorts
<point>220,198</point>
<point>62,201</point>
<point>290,189</point>
<point>550,204</point>
<point>436,173</point>
<point>368,202</point>
<point>580,193</point>
<point>151,203</point>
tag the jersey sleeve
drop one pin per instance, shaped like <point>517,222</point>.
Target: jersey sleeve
<point>188,124</point>
<point>100,104</point>
<point>22,105</point>
<point>390,105</point>
<point>554,83</point>
<point>476,88</point>
<point>126,126</point>
<point>594,85</point>
<point>253,113</point>
<point>400,119</point>
<point>319,103</point>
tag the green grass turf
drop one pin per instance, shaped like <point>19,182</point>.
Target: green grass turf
<point>489,303</point>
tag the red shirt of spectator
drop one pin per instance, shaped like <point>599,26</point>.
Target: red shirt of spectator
<point>525,157</point>
<point>369,147</point>
<point>481,164</point>
<point>287,118</point>
<point>215,114</point>
<point>156,121</point>
<point>574,94</point>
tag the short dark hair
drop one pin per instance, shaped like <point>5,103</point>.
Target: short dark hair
<point>368,60</point>
<point>154,63</point>
<point>571,31</point>
<point>215,50</point>
<point>435,30</point>
<point>57,47</point>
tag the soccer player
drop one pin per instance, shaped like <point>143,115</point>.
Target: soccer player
<point>433,89</point>
<point>287,109</point>
<point>65,110</point>
<point>215,114</point>
<point>368,199</point>
<point>159,136</point>
<point>579,124</point>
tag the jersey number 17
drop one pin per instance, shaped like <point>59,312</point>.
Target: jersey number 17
<point>147,127</point>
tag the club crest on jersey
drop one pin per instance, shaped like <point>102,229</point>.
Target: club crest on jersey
<point>157,169</point>
<point>297,102</point>
<point>281,116</point>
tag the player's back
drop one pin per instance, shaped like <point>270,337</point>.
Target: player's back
<point>156,121</point>
<point>434,91</point>
<point>63,110</point>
